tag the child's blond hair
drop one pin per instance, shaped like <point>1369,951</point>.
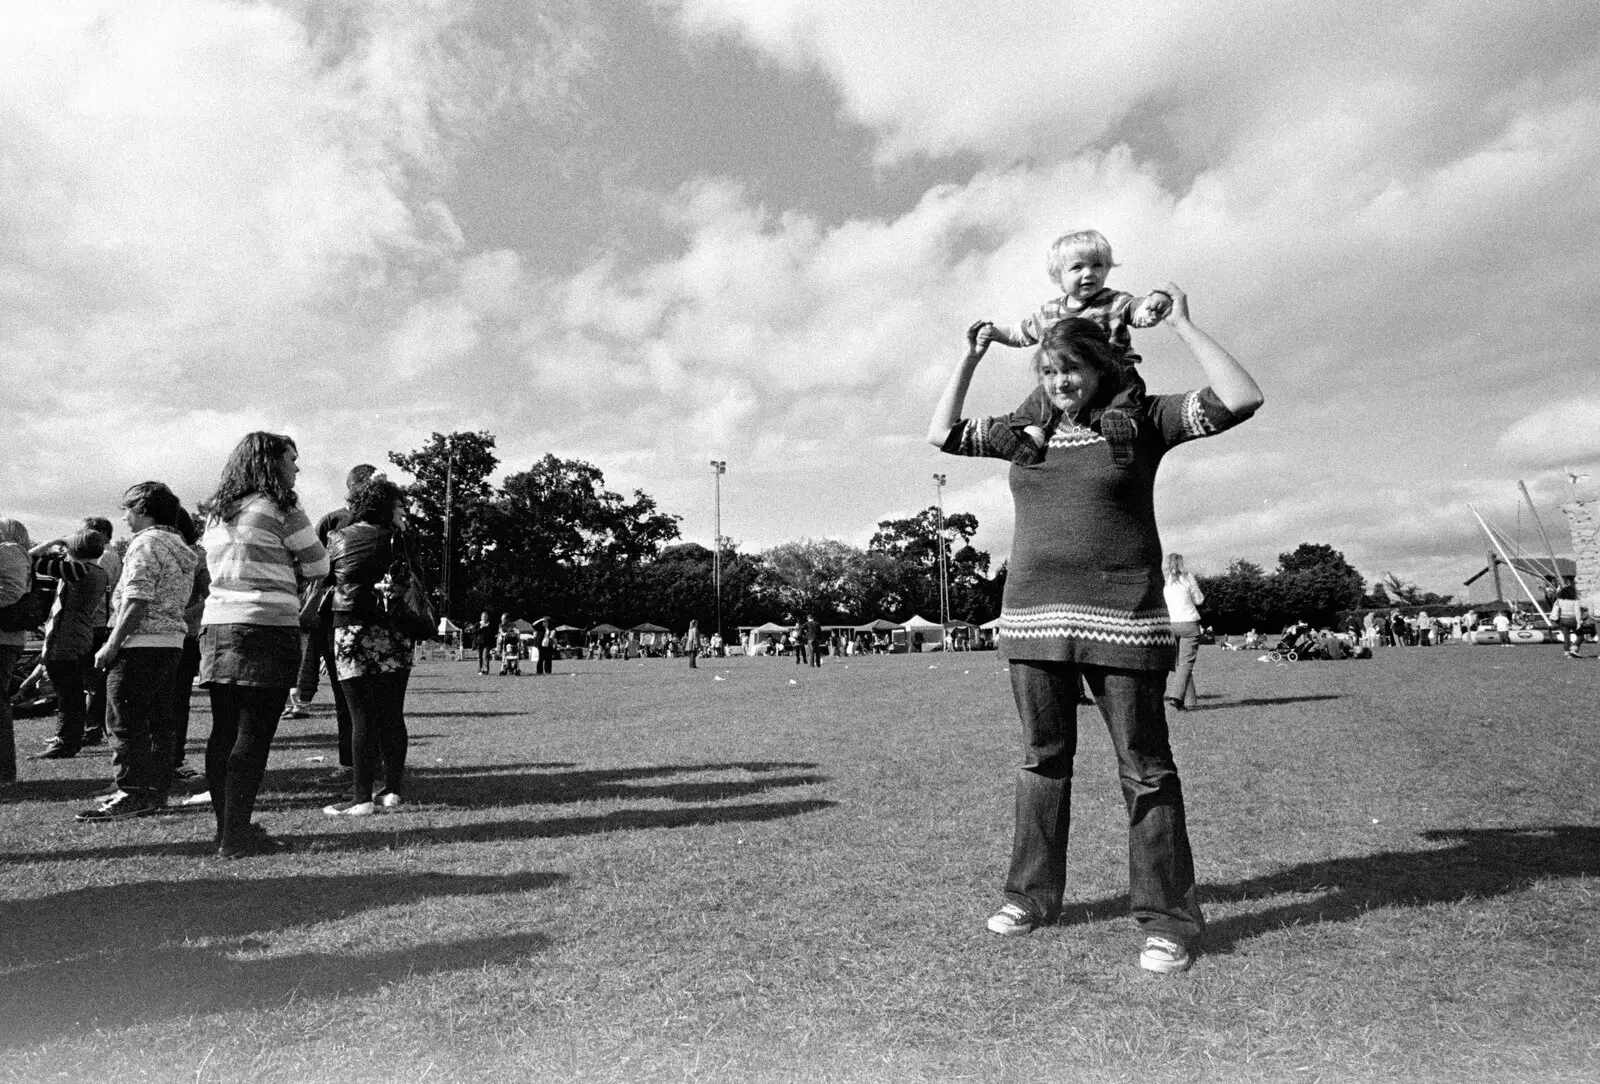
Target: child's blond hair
<point>1081,243</point>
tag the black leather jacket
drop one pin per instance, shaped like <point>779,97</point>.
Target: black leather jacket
<point>359,556</point>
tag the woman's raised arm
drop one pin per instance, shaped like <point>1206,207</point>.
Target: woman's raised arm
<point>947,413</point>
<point>1234,386</point>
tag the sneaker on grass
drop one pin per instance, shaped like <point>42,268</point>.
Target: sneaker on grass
<point>1164,957</point>
<point>389,799</point>
<point>1011,921</point>
<point>121,807</point>
<point>350,809</point>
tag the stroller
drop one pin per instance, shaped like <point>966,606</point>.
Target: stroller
<point>1296,644</point>
<point>511,653</point>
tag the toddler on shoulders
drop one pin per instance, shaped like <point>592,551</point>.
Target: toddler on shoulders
<point>1079,263</point>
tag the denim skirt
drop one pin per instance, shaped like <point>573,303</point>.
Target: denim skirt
<point>263,655</point>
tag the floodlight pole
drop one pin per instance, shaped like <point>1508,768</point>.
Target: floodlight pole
<point>944,580</point>
<point>449,479</point>
<point>719,467</point>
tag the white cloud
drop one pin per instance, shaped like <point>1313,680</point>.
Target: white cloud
<point>1561,433</point>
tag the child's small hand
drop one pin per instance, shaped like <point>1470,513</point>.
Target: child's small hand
<point>979,336</point>
<point>1153,309</point>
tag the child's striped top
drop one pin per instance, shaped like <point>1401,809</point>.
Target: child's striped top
<point>254,558</point>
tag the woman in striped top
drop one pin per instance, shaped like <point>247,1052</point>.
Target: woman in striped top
<point>259,545</point>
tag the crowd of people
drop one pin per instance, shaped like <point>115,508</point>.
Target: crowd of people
<point>245,597</point>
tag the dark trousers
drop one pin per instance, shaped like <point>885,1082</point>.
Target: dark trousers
<point>95,679</point>
<point>377,712</point>
<point>305,686</point>
<point>322,642</point>
<point>694,654</point>
<point>799,654</point>
<point>244,719</point>
<point>9,654</point>
<point>816,653</point>
<point>1161,885</point>
<point>182,690</point>
<point>485,655</point>
<point>72,708</point>
<point>139,703</point>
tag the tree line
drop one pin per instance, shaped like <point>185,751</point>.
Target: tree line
<point>553,541</point>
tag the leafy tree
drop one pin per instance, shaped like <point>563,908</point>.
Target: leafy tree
<point>1313,583</point>
<point>679,586</point>
<point>914,545</point>
<point>564,544</point>
<point>1240,599</point>
<point>834,581</point>
<point>1408,594</point>
<point>468,459</point>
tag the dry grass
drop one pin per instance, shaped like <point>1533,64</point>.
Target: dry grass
<point>637,872</point>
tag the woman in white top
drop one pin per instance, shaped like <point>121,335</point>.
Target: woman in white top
<point>1183,607</point>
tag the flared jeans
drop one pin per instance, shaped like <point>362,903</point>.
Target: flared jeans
<point>1161,886</point>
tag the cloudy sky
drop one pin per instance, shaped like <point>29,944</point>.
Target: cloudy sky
<point>650,233</point>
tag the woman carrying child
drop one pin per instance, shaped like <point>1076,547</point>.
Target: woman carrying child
<point>1084,601</point>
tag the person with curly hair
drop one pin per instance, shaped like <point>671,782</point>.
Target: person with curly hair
<point>258,543</point>
<point>371,654</point>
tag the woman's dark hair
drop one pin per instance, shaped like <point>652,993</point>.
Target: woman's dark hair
<point>155,500</point>
<point>252,467</point>
<point>1084,342</point>
<point>374,501</point>
<point>188,530</point>
<point>86,544</point>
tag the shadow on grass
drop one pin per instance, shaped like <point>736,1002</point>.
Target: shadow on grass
<point>464,714</point>
<point>399,833</point>
<point>1260,701</point>
<point>115,956</point>
<point>1482,863</point>
<point>488,787</point>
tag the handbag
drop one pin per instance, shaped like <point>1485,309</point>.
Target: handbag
<point>314,599</point>
<point>410,612</point>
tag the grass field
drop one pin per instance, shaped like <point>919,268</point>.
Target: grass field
<point>635,871</point>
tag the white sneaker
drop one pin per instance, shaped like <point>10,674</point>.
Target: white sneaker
<point>389,799</point>
<point>1164,957</point>
<point>1011,921</point>
<point>203,798</point>
<point>350,809</point>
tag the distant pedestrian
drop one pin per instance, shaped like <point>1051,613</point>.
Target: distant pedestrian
<point>813,639</point>
<point>1184,598</point>
<point>691,644</point>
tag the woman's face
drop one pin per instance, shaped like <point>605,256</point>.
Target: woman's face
<point>1067,381</point>
<point>289,467</point>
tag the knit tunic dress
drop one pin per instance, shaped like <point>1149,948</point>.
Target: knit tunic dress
<point>1084,582</point>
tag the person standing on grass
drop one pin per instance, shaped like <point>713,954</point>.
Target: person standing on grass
<point>319,649</point>
<point>1569,613</point>
<point>69,639</point>
<point>141,656</point>
<point>813,638</point>
<point>1084,601</point>
<point>372,656</point>
<point>691,644</point>
<point>483,631</point>
<point>189,661</point>
<point>1184,599</point>
<point>111,562</point>
<point>259,545</point>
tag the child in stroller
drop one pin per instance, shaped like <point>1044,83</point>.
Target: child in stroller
<point>510,647</point>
